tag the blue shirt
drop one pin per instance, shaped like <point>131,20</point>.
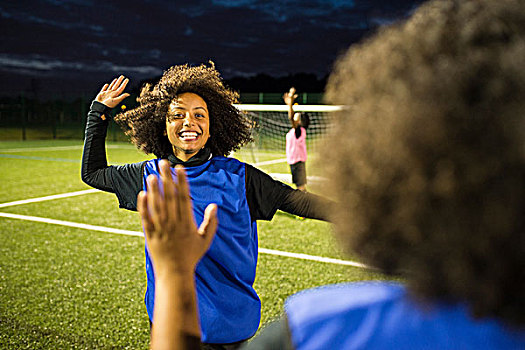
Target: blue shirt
<point>381,315</point>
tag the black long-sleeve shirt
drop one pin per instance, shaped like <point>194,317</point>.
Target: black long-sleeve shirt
<point>264,194</point>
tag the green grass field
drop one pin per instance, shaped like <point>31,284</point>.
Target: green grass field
<point>63,287</point>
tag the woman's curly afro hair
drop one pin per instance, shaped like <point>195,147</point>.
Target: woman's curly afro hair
<point>428,161</point>
<point>146,124</point>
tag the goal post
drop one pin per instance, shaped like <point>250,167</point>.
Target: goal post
<point>271,124</point>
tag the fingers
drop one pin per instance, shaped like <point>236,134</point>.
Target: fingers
<point>209,225</point>
<point>183,193</point>
<point>155,202</point>
<point>112,84</point>
<point>104,88</point>
<point>142,207</point>
<point>170,214</point>
<point>120,87</point>
<point>292,94</point>
<point>169,188</point>
<point>118,84</point>
<point>121,98</point>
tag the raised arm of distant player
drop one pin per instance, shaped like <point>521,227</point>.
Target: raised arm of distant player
<point>289,98</point>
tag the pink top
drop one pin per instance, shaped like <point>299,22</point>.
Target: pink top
<point>295,147</point>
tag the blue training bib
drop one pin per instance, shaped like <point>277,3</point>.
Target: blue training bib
<point>229,307</point>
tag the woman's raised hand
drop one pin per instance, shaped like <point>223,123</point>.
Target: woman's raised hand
<point>112,94</point>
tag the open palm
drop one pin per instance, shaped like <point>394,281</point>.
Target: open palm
<point>112,94</point>
<point>290,96</point>
<point>174,240</point>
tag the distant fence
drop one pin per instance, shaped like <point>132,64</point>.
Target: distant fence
<point>24,118</point>
<point>305,98</point>
<point>30,119</point>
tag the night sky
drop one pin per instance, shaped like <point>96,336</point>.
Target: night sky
<point>74,46</point>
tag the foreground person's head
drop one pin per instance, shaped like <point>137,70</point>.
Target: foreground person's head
<point>428,161</point>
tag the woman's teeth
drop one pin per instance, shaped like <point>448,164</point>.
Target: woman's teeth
<point>188,135</point>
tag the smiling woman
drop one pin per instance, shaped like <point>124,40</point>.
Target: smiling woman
<point>188,117</point>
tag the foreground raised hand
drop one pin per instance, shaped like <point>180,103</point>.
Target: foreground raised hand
<point>175,245</point>
<point>174,241</point>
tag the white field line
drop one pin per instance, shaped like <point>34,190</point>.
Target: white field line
<point>313,258</point>
<point>58,148</point>
<point>281,177</point>
<point>71,224</point>
<point>268,162</point>
<point>47,198</point>
<point>277,176</point>
<point>248,149</point>
<point>121,147</point>
<point>37,149</point>
<point>288,177</point>
<point>140,234</point>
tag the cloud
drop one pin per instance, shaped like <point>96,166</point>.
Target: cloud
<point>29,16</point>
<point>34,64</point>
<point>87,39</point>
<point>235,3</point>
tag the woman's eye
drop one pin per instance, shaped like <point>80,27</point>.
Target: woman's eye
<point>198,115</point>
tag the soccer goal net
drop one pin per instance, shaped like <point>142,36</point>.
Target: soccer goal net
<point>271,124</point>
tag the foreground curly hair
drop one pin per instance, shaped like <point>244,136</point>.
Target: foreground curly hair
<point>146,124</point>
<point>428,161</point>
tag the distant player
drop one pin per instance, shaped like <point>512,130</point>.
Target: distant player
<point>296,153</point>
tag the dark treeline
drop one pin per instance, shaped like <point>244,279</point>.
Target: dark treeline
<point>38,113</point>
<point>264,88</point>
<point>303,82</point>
